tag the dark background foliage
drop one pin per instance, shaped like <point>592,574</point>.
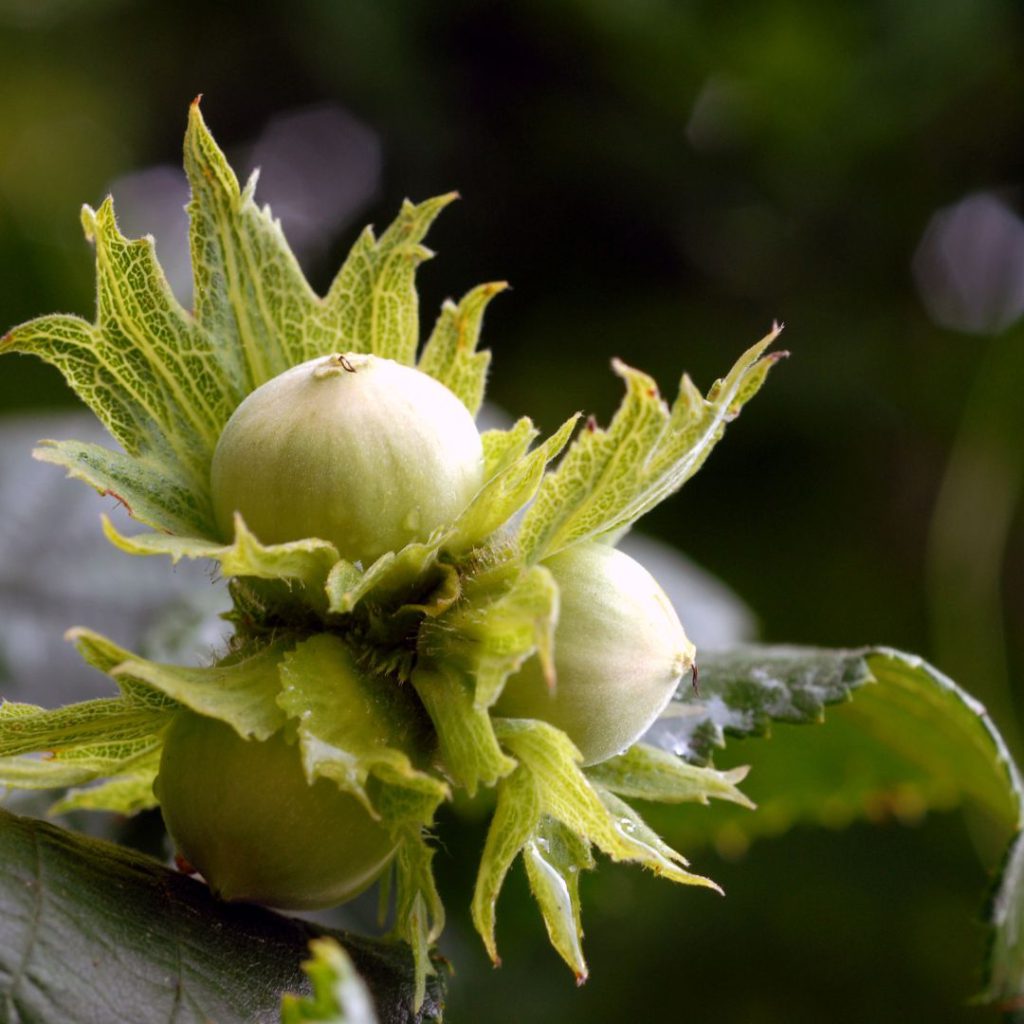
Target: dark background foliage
<point>658,180</point>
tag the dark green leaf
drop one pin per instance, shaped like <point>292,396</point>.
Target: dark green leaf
<point>899,739</point>
<point>93,933</point>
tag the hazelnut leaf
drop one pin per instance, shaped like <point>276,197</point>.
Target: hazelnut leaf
<point>506,492</point>
<point>180,952</point>
<point>84,741</point>
<point>241,692</point>
<point>128,792</point>
<point>147,488</point>
<point>898,738</point>
<point>372,303</point>
<point>113,721</point>
<point>305,562</point>
<point>546,799</point>
<point>419,912</point>
<point>503,447</point>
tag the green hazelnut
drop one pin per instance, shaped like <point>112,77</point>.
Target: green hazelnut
<point>357,450</point>
<point>242,813</point>
<point>620,652</point>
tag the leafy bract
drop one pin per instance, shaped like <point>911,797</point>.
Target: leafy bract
<point>649,773</point>
<point>128,792</point>
<point>119,738</point>
<point>549,810</point>
<point>419,912</point>
<point>339,995</point>
<point>450,354</point>
<point>508,614</point>
<point>899,738</point>
<point>610,478</point>
<point>114,737</point>
<point>515,476</point>
<point>352,725</point>
<point>307,563</point>
<point>173,951</point>
<point>165,381</point>
<point>469,748</point>
<point>554,857</point>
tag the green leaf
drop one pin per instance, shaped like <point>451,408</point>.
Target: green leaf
<point>164,382</point>
<point>22,772</point>
<point>899,738</point>
<point>392,573</point>
<point>465,733</point>
<point>450,354</point>
<point>568,796</point>
<point>503,447</point>
<point>352,725</point>
<point>181,953</point>
<point>166,402</point>
<point>249,291</point>
<point>550,811</point>
<point>93,739</point>
<point>339,994</point>
<point>610,478</point>
<point>554,858</point>
<point>648,773</point>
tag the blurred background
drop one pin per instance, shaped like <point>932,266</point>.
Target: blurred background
<point>659,181</point>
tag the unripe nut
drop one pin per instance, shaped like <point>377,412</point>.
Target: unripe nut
<point>357,450</point>
<point>620,652</point>
<point>242,813</point>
